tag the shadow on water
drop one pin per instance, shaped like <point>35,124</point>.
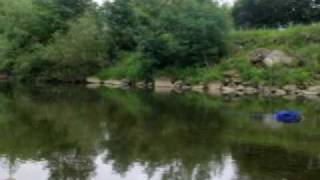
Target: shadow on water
<point>170,136</point>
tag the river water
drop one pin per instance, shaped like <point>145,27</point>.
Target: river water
<point>75,133</point>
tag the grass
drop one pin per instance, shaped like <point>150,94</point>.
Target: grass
<point>129,66</point>
<point>301,42</point>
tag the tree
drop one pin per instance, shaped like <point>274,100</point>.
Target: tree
<point>169,33</point>
<point>51,38</point>
<point>273,13</point>
<point>70,56</point>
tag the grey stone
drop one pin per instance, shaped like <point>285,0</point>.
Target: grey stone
<point>314,89</point>
<point>141,85</point>
<point>277,57</point>
<point>250,90</point>
<point>93,80</point>
<point>93,86</point>
<point>257,56</point>
<point>164,83</point>
<point>198,88</point>
<point>228,90</point>
<point>290,88</point>
<point>309,93</point>
<point>279,92</point>
<point>214,88</point>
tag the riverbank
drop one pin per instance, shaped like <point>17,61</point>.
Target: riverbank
<point>230,87</point>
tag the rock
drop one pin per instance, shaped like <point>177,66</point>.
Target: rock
<point>164,83</point>
<point>214,88</point>
<point>231,74</point>
<point>314,89</point>
<point>227,82</point>
<point>269,58</point>
<point>93,80</point>
<point>141,85</point>
<point>291,89</point>
<point>93,86</point>
<point>236,81</point>
<point>198,88</point>
<point>144,85</point>
<point>240,88</point>
<point>178,84</point>
<point>277,57</point>
<point>267,91</point>
<point>126,82</point>
<point>273,91</point>
<point>117,83</point>
<point>279,92</point>
<point>257,56</point>
<point>250,90</point>
<point>239,93</point>
<point>228,90</point>
<point>309,93</point>
<point>163,89</point>
<point>185,88</point>
<point>312,97</point>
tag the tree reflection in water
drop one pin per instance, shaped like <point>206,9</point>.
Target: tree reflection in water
<point>186,136</point>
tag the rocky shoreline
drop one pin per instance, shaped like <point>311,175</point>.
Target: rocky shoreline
<point>231,86</point>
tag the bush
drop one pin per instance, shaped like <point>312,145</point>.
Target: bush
<point>132,66</point>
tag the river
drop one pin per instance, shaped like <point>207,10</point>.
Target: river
<point>72,132</point>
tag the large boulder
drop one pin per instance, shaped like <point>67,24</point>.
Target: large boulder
<point>269,58</point>
<point>277,57</point>
<point>257,56</point>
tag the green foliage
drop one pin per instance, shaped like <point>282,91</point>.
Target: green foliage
<point>273,13</point>
<point>299,41</point>
<point>77,53</point>
<point>50,40</point>
<point>170,33</point>
<point>129,66</point>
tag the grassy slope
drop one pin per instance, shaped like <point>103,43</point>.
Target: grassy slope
<point>302,42</point>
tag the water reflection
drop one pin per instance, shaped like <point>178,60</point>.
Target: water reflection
<point>51,132</point>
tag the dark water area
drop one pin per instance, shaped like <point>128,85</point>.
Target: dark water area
<point>75,133</point>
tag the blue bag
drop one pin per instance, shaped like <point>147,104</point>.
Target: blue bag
<point>287,117</point>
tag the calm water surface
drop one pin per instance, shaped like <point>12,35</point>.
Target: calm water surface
<point>74,133</point>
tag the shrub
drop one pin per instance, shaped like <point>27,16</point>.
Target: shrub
<point>130,65</point>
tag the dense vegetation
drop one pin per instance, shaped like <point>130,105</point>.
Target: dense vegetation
<point>68,40</point>
<point>51,40</point>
